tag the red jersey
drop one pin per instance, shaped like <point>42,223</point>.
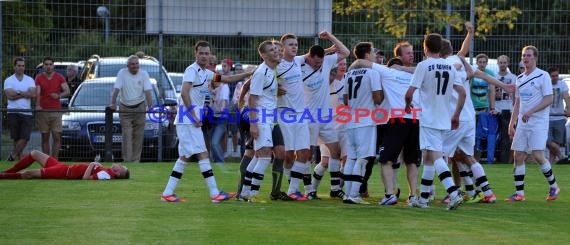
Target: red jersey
<point>47,87</point>
<point>76,171</point>
<point>56,170</point>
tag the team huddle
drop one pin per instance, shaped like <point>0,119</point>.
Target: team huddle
<point>287,85</point>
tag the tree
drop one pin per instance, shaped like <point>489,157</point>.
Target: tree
<point>24,32</point>
<point>401,18</point>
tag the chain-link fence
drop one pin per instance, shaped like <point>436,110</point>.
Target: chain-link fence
<point>88,33</point>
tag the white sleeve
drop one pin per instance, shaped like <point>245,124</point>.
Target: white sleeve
<point>257,83</point>
<point>225,93</point>
<point>146,79</point>
<point>546,85</point>
<point>418,77</point>
<point>7,84</point>
<point>375,81</point>
<point>456,78</point>
<point>119,81</point>
<point>102,175</point>
<point>189,75</point>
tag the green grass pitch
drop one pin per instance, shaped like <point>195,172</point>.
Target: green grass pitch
<point>130,212</point>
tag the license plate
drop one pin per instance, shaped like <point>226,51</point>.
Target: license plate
<point>101,138</point>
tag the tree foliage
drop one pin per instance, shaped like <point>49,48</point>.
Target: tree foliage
<point>401,18</point>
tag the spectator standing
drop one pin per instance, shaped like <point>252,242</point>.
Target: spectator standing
<point>19,89</point>
<point>558,115</point>
<point>483,97</point>
<point>504,99</point>
<point>50,87</point>
<point>504,105</point>
<point>133,86</point>
<point>72,78</point>
<point>220,98</point>
<point>227,69</point>
<point>233,129</point>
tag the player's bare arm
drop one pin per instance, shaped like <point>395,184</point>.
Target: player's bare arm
<point>89,170</point>
<point>514,117</point>
<point>234,78</point>
<point>252,115</point>
<point>467,42</point>
<point>546,101</point>
<point>409,97</point>
<point>378,97</point>
<point>566,97</point>
<point>341,50</point>
<point>185,95</point>
<point>244,89</point>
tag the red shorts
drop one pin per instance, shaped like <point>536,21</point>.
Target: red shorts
<point>54,169</point>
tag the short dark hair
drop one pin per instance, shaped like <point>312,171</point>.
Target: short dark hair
<point>433,42</point>
<point>317,50</point>
<point>552,69</point>
<point>479,56</point>
<point>48,58</point>
<point>361,49</point>
<point>201,43</point>
<point>18,59</point>
<point>395,61</point>
<point>446,48</point>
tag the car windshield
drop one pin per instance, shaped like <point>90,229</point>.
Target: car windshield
<point>98,95</point>
<point>111,70</point>
<point>177,80</point>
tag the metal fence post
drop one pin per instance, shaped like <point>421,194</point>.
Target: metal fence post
<point>108,134</point>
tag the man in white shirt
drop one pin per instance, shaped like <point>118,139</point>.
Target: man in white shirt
<point>362,92</point>
<point>262,101</point>
<point>291,106</point>
<point>435,79</point>
<point>19,89</point>
<point>133,86</point>
<point>195,84</point>
<point>316,69</point>
<point>558,115</point>
<point>533,97</point>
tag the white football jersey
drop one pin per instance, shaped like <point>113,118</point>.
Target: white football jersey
<point>359,85</point>
<point>395,84</point>
<point>468,111</point>
<point>336,95</point>
<point>434,79</point>
<point>290,77</point>
<point>316,91</point>
<point>264,85</point>
<point>530,90</point>
<point>200,80</point>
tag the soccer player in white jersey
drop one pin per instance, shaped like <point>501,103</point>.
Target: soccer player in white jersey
<point>459,144</point>
<point>435,79</point>
<point>316,68</point>
<point>291,107</point>
<point>335,99</point>
<point>188,123</point>
<point>362,92</point>
<point>533,97</point>
<point>262,99</point>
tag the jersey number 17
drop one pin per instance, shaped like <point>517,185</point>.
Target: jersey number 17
<point>445,76</point>
<point>353,91</point>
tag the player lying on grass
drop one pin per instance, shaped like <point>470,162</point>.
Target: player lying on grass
<point>53,169</point>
